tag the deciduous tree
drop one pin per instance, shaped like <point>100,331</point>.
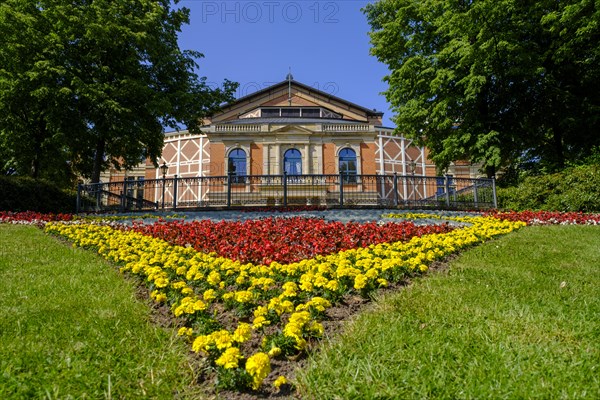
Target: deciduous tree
<point>87,83</point>
<point>493,81</point>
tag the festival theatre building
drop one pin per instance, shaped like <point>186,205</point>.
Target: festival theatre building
<point>288,128</point>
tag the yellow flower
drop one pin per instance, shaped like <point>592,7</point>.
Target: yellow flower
<point>287,306</point>
<point>259,322</point>
<point>258,367</point>
<point>209,295</point>
<point>159,297</point>
<point>243,333</point>
<point>243,296</point>
<point>316,328</point>
<point>261,311</point>
<point>178,285</point>
<point>202,343</point>
<point>280,381</point>
<point>382,282</point>
<point>319,303</point>
<point>274,352</point>
<point>213,278</point>
<point>360,281</point>
<point>183,331</point>
<point>229,359</point>
<point>290,289</point>
<point>161,282</point>
<point>332,285</point>
<point>199,305</point>
<point>222,339</point>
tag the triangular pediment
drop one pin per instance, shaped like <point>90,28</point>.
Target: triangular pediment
<point>290,129</point>
<point>299,95</point>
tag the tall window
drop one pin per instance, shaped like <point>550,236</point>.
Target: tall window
<point>236,165</point>
<point>292,162</point>
<point>348,165</point>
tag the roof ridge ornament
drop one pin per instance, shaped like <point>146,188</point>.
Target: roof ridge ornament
<point>289,78</point>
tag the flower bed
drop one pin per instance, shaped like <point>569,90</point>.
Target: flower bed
<point>283,240</point>
<point>549,217</point>
<point>242,316</point>
<point>31,217</point>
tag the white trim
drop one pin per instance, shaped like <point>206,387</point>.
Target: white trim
<point>201,160</point>
<point>178,162</point>
<point>381,160</point>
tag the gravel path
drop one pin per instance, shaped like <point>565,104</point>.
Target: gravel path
<point>342,215</point>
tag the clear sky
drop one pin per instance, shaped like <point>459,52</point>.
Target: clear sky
<point>325,43</point>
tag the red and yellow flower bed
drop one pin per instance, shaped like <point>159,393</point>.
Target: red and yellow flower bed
<point>284,240</point>
<point>241,307</point>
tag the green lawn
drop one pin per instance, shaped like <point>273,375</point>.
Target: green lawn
<point>71,327</point>
<point>518,317</point>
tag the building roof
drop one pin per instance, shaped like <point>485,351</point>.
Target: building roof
<point>311,90</point>
<point>290,121</point>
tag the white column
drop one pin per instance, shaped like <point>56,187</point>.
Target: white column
<point>201,160</point>
<point>266,170</point>
<point>404,185</point>
<point>178,155</point>
<point>381,155</point>
<point>199,195</point>
<point>278,168</point>
<point>423,166</point>
<point>306,168</point>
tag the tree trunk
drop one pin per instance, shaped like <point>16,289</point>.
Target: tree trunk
<point>35,166</point>
<point>98,160</point>
<point>38,138</point>
<point>558,147</point>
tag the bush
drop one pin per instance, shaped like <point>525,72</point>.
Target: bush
<point>574,189</point>
<point>27,194</point>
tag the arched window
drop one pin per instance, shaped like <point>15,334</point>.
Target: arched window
<point>348,165</point>
<point>292,162</point>
<point>236,165</point>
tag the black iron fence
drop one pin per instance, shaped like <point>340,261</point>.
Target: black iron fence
<point>335,191</point>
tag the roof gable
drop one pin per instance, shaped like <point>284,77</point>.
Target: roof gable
<point>301,95</point>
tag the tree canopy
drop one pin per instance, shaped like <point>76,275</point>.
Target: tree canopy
<point>501,82</point>
<point>87,83</point>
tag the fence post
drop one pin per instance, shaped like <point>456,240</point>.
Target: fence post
<point>229,179</point>
<point>163,191</point>
<point>475,196</point>
<point>285,190</point>
<point>341,190</point>
<point>494,192</point>
<point>78,201</point>
<point>396,200</point>
<point>175,192</point>
<point>124,196</point>
<point>447,187</point>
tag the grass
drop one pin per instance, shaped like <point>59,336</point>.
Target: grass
<point>518,317</point>
<point>71,327</point>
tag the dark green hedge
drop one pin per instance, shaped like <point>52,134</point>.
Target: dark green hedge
<point>27,194</point>
<point>575,189</point>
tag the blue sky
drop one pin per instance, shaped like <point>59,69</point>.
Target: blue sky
<point>325,43</point>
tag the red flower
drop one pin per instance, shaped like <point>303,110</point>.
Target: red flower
<point>284,240</point>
